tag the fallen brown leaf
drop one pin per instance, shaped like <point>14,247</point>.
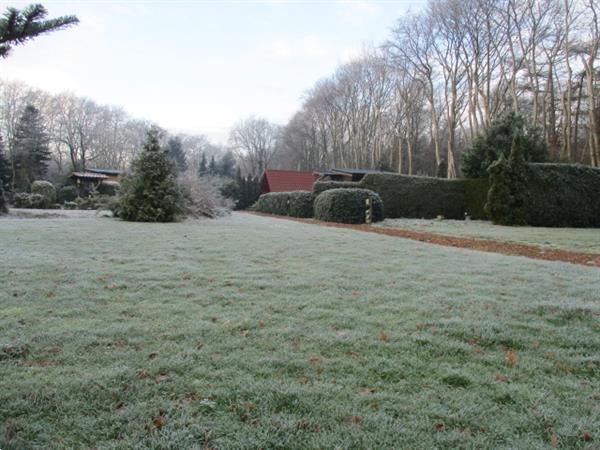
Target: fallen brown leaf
<point>383,337</point>
<point>355,420</point>
<point>511,357</point>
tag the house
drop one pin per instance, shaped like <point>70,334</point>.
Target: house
<point>337,174</point>
<point>111,174</point>
<point>286,181</point>
<point>95,177</point>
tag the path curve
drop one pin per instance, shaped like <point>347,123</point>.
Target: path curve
<point>484,245</point>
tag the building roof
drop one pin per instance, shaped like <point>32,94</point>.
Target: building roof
<point>286,181</point>
<point>358,171</point>
<point>89,176</point>
<point>106,171</point>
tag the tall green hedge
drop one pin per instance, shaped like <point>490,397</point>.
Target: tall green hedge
<point>421,197</point>
<point>549,195</point>
<point>3,206</point>
<point>347,205</point>
<point>295,204</point>
<point>322,186</point>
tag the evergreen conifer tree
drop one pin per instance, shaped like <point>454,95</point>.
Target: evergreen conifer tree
<point>31,150</point>
<point>5,168</point>
<point>202,168</point>
<point>212,167</point>
<point>3,207</point>
<point>177,154</point>
<point>150,193</point>
<point>227,165</point>
<point>18,27</point>
<point>498,139</point>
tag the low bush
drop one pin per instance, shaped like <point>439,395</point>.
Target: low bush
<point>322,186</point>
<point>273,203</point>
<point>295,204</point>
<point>301,204</point>
<point>45,189</point>
<point>30,201</point>
<point>418,197</point>
<point>110,188</point>
<point>96,201</point>
<point>347,205</point>
<point>67,194</point>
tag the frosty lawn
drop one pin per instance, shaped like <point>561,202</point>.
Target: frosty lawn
<point>254,332</point>
<point>586,240</point>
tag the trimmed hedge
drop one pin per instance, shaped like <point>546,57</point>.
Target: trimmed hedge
<point>344,205</point>
<point>321,186</point>
<point>301,204</point>
<point>549,195</point>
<point>295,204</point>
<point>476,193</point>
<point>418,197</point>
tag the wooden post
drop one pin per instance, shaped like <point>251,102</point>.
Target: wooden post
<point>369,211</point>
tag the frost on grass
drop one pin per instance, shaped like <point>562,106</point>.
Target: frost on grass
<point>585,240</point>
<point>253,332</point>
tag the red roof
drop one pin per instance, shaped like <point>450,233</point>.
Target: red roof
<point>286,181</point>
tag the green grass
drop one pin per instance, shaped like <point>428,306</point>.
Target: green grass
<point>579,239</point>
<point>251,332</point>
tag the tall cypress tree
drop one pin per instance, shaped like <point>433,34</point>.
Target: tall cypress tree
<point>176,153</point>
<point>212,167</point>
<point>5,168</point>
<point>227,165</point>
<point>31,150</point>
<point>202,168</point>
<point>150,193</point>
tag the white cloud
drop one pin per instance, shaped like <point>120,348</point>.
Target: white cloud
<point>357,12</point>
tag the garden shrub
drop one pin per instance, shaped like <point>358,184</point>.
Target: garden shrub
<point>45,189</point>
<point>301,204</point>
<point>322,186</point>
<point>30,201</point>
<point>67,194</point>
<point>418,197</point>
<point>294,204</point>
<point>95,201</point>
<point>110,188</point>
<point>347,205</point>
<point>273,203</point>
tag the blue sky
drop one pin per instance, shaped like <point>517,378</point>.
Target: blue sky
<point>198,66</point>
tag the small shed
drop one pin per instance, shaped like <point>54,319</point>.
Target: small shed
<point>286,181</point>
<point>337,174</point>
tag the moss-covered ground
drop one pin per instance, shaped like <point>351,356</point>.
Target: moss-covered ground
<point>252,332</point>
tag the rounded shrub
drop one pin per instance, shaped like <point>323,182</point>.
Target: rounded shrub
<point>347,206</point>
<point>67,194</point>
<point>321,186</point>
<point>273,203</point>
<point>30,201</point>
<point>301,204</point>
<point>45,189</point>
